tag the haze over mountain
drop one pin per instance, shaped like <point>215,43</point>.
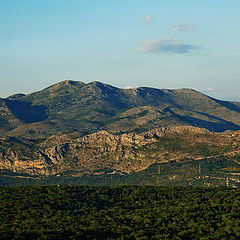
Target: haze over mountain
<point>73,106</point>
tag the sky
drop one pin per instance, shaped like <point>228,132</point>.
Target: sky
<point>125,43</point>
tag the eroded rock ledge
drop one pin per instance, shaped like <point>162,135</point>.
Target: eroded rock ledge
<point>125,153</point>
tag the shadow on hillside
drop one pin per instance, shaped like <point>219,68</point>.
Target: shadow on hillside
<point>220,126</point>
<point>228,105</point>
<point>25,112</point>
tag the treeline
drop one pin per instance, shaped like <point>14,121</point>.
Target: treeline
<point>126,212</point>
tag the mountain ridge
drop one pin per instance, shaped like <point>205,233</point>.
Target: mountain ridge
<point>72,106</point>
<point>133,158</point>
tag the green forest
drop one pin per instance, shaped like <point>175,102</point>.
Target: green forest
<point>123,212</point>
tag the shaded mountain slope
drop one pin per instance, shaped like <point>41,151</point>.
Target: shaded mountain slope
<point>72,106</point>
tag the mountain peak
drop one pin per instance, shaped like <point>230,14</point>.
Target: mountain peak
<point>100,84</point>
<point>67,83</point>
<point>73,106</point>
<point>64,87</point>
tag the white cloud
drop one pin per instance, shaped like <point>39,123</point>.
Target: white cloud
<point>216,93</point>
<point>182,28</point>
<point>210,89</point>
<point>128,87</point>
<point>166,45</point>
<point>148,19</point>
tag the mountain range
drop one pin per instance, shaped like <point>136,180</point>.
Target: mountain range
<point>72,106</point>
<point>73,130</point>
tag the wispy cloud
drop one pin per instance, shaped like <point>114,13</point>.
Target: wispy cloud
<point>166,45</point>
<point>216,93</point>
<point>210,89</point>
<point>3,95</point>
<point>128,87</point>
<point>182,28</point>
<point>148,19</point>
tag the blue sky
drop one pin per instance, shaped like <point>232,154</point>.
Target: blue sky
<point>126,43</point>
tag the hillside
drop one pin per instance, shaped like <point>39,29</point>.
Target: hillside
<point>98,134</point>
<point>160,156</point>
<point>72,106</point>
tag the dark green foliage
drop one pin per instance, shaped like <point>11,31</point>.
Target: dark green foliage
<point>70,212</point>
<point>213,172</point>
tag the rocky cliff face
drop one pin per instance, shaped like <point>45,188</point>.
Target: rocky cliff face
<point>104,152</point>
